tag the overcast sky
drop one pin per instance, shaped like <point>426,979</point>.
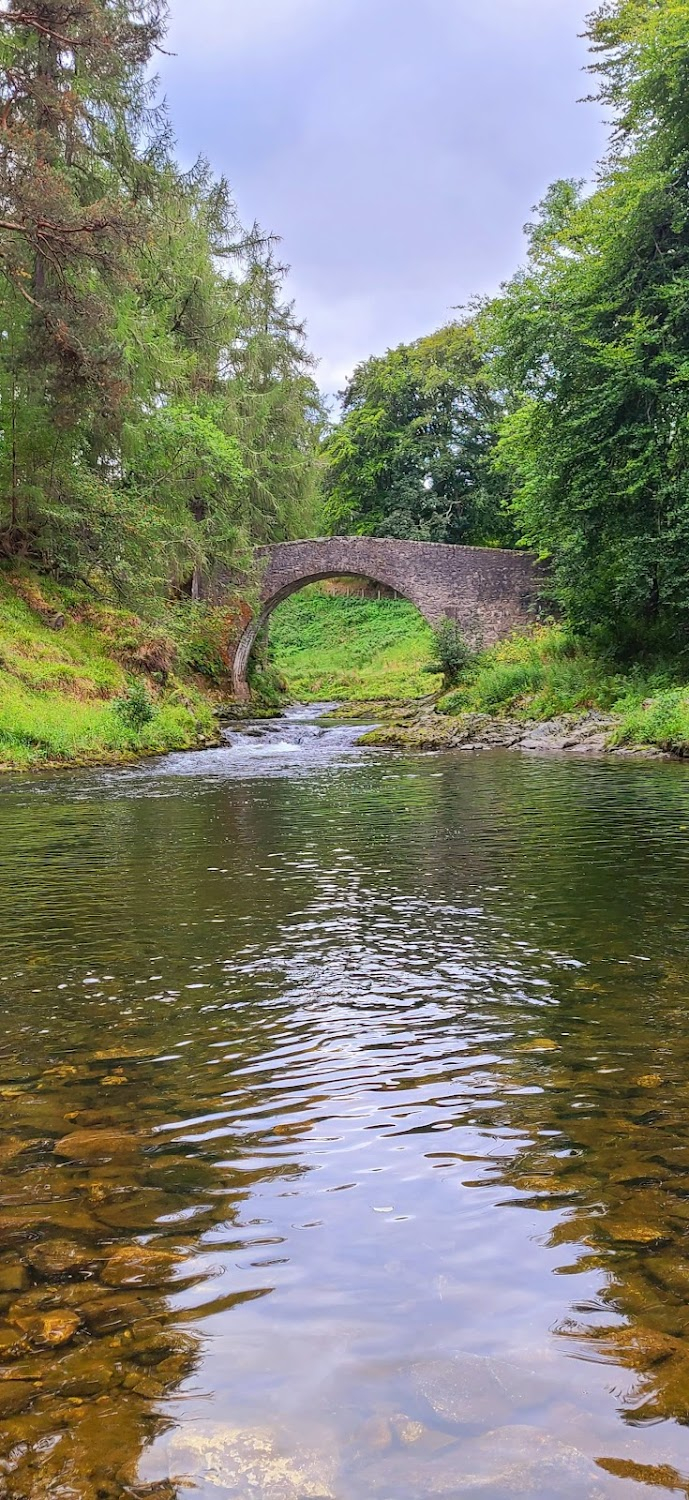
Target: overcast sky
<point>396,146</point>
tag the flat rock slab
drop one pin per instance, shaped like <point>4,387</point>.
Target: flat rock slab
<point>575,734</point>
<point>473,1390</point>
<point>503,1464</point>
<point>247,1464</point>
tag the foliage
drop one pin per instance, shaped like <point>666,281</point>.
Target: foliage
<point>661,720</point>
<point>411,456</point>
<point>61,689</point>
<point>52,728</point>
<point>157,408</point>
<point>590,342</point>
<point>276,413</point>
<point>159,416</point>
<point>346,647</point>
<point>268,686</point>
<point>360,651</point>
<point>551,672</point>
<point>135,708</point>
<point>77,147</point>
<point>202,635</point>
<point>451,652</point>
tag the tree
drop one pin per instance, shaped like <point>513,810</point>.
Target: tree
<point>76,171</point>
<point>73,176</point>
<point>157,408</point>
<point>591,340</point>
<point>274,408</point>
<point>411,457</point>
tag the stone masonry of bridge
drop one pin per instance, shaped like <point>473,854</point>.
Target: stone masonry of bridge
<point>489,591</point>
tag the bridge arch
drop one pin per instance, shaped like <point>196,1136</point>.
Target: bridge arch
<point>253,630</point>
<point>489,591</point>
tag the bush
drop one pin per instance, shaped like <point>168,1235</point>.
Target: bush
<point>135,708</point>
<point>662,720</point>
<point>452,652</point>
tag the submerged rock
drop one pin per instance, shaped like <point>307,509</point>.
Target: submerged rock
<point>138,1265</point>
<point>15,1396</point>
<point>110,1314</point>
<point>415,1434</point>
<point>473,1390</point>
<point>375,1435</point>
<point>55,1258</point>
<point>83,1371</point>
<point>12,1342</point>
<point>98,1144</point>
<point>49,1330</point>
<point>248,1463</point>
<point>525,1461</point>
<point>500,1465</point>
<point>13,1146</point>
<point>13,1277</point>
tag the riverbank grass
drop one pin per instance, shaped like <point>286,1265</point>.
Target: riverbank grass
<point>70,672</point>
<point>549,673</point>
<point>376,652</point>
<point>350,648</point>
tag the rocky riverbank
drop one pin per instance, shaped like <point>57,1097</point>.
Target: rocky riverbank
<point>416,727</point>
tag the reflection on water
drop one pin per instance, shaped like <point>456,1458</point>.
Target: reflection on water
<point>344,1127</point>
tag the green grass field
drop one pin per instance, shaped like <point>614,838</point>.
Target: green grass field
<point>341,646</point>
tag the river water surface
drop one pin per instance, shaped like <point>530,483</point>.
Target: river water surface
<point>344,1126</point>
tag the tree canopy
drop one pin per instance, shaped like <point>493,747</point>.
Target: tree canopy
<point>590,341</point>
<point>158,411</point>
<point>157,404</point>
<point>411,457</point>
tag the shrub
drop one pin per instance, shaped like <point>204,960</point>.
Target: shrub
<point>135,708</point>
<point>662,720</point>
<point>452,652</point>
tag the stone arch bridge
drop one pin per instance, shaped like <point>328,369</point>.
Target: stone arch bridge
<point>489,591</point>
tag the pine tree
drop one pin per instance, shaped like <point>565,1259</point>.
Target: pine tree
<point>157,411</point>
<point>273,404</point>
<point>73,166</point>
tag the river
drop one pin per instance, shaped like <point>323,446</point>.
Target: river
<point>344,1126</point>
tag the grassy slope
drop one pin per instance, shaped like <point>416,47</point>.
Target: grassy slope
<point>59,686</point>
<point>357,650</point>
<point>67,664</point>
<point>548,674</point>
<point>344,647</point>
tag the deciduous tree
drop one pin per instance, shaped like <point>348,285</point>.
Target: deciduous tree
<point>411,457</point>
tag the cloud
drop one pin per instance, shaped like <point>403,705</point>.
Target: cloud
<point>396,145</point>
<point>217,32</point>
